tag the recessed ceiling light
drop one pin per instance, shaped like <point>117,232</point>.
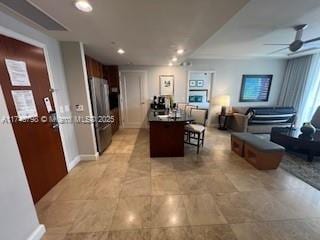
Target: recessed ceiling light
<point>83,5</point>
<point>170,64</point>
<point>121,51</point>
<point>180,51</point>
<point>174,59</point>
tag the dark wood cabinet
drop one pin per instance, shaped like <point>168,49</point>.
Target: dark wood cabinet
<point>167,139</point>
<point>94,68</point>
<point>111,73</point>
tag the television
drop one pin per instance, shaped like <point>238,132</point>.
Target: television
<point>255,88</point>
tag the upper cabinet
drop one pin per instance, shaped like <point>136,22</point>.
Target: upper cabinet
<point>111,73</point>
<point>94,68</point>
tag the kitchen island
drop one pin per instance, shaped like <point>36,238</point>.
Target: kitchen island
<point>167,133</point>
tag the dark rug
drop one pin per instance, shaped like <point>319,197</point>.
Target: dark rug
<point>297,165</point>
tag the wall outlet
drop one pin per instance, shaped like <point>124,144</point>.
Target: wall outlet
<point>79,108</point>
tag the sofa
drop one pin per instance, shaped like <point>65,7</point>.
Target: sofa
<point>261,119</point>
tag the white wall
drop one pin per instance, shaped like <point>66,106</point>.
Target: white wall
<point>228,76</point>
<point>57,76</point>
<point>18,219</point>
<point>78,88</point>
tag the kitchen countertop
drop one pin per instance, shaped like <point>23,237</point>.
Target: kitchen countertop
<point>163,116</point>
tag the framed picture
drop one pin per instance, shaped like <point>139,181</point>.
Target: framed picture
<point>255,88</point>
<point>166,85</point>
<point>198,96</point>
<point>192,83</point>
<point>200,83</point>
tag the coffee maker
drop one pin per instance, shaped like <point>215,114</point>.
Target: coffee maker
<point>158,102</point>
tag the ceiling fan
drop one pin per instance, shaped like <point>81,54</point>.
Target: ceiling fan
<point>298,43</point>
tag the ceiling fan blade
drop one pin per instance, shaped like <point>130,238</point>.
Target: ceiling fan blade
<point>276,44</point>
<point>304,51</point>
<point>279,50</point>
<point>312,40</point>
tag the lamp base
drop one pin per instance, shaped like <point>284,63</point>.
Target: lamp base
<point>223,111</point>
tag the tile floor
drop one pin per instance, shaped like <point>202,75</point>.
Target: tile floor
<point>126,195</point>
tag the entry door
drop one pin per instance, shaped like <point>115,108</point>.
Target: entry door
<point>39,143</point>
<point>132,84</point>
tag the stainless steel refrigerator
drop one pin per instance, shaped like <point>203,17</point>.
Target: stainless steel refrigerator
<point>101,109</point>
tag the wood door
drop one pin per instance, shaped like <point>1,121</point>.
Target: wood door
<point>39,143</point>
<point>132,84</point>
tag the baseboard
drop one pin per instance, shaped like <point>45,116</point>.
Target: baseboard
<point>82,157</point>
<point>73,163</point>
<point>37,233</point>
<point>89,157</point>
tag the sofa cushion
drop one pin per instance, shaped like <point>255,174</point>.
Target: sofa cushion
<point>271,115</point>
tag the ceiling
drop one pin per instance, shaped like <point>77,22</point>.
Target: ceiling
<point>260,22</point>
<point>150,31</point>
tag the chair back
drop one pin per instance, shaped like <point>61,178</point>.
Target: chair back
<point>189,108</point>
<point>199,116</point>
<point>182,106</point>
<point>316,119</point>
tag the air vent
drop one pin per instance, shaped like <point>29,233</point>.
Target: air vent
<point>29,11</point>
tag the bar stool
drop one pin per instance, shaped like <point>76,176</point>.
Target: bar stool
<point>196,129</point>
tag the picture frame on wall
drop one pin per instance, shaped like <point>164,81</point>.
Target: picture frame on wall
<point>192,83</point>
<point>200,83</point>
<point>166,85</point>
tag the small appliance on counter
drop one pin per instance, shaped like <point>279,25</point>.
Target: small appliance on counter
<point>158,103</point>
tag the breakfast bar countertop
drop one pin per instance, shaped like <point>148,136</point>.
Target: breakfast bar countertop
<point>163,115</point>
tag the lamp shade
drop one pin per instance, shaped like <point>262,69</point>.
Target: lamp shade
<point>223,100</point>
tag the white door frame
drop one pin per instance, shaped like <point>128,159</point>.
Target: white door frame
<point>144,95</point>
<point>23,38</point>
<point>210,94</point>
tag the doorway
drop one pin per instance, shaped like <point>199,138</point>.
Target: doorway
<point>199,88</point>
<point>133,103</point>
<point>30,106</point>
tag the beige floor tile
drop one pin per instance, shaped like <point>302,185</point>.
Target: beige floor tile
<point>168,211</point>
<point>217,182</point>
<point>116,169</point>
<point>87,236</point>
<point>305,203</point>
<point>132,213</point>
<point>247,180</point>
<point>78,189</point>
<point>140,234</point>
<point>192,184</point>
<point>162,166</point>
<point>173,233</point>
<point>203,210</point>
<point>236,208</point>
<point>295,230</point>
<point>140,186</point>
<point>213,232</point>
<point>106,187</point>
<point>165,185</point>
<point>94,216</point>
<point>136,170</point>
<point>61,215</point>
<point>253,206</point>
<point>54,236</point>
<point>195,166</point>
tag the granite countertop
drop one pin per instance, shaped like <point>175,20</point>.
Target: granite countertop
<point>163,116</point>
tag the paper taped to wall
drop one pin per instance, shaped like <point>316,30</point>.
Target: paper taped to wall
<point>18,72</point>
<point>24,103</point>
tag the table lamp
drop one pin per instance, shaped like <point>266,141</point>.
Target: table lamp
<point>223,101</point>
